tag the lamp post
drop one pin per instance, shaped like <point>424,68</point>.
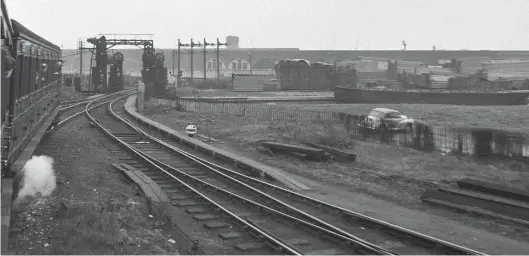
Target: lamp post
<point>250,59</point>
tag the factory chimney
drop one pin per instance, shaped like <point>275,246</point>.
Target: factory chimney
<point>233,42</point>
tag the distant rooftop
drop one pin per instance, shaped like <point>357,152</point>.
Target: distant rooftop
<point>263,49</point>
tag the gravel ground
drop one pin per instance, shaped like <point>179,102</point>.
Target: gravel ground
<point>69,93</point>
<point>93,210</point>
<point>360,187</point>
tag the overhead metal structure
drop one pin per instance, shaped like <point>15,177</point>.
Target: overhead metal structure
<point>101,47</point>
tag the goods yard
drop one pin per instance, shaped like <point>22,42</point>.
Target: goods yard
<point>295,152</point>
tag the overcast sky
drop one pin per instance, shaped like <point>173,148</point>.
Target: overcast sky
<point>304,24</point>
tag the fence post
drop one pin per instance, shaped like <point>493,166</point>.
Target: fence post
<point>482,141</point>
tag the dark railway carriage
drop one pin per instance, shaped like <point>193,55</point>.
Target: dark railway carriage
<point>320,76</point>
<point>30,87</point>
<point>300,74</point>
<point>293,74</point>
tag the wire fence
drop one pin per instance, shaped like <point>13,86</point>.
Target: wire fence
<point>330,127</point>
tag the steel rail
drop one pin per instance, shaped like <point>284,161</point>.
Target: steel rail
<point>457,249</point>
<point>365,248</point>
<point>326,227</point>
<point>244,223</point>
<point>83,101</point>
<point>81,112</point>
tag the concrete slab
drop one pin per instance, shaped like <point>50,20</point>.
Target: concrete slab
<point>197,210</point>
<point>473,202</point>
<point>206,217</point>
<point>151,189</point>
<point>249,247</point>
<point>297,241</point>
<point>177,196</point>
<point>495,189</point>
<point>330,251</point>
<point>488,197</point>
<point>229,235</point>
<point>476,210</point>
<point>216,225</point>
<point>187,203</point>
<point>263,170</point>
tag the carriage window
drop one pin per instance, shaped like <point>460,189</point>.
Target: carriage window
<point>26,74</point>
<point>35,69</point>
<point>18,76</point>
<point>49,72</point>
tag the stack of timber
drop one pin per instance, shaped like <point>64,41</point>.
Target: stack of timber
<point>336,154</point>
<point>248,82</point>
<point>483,198</point>
<point>311,151</point>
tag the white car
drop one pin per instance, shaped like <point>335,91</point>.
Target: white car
<point>384,119</point>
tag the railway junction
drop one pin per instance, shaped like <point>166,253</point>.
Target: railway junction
<point>109,169</point>
<point>196,198</point>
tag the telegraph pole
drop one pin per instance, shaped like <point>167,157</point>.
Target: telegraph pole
<point>174,53</point>
<point>192,45</point>
<point>81,60</point>
<point>218,58</point>
<point>218,61</point>
<point>178,55</point>
<point>250,58</point>
<point>191,54</point>
<point>205,45</point>
<point>178,75</point>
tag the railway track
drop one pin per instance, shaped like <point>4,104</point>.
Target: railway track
<point>75,108</point>
<point>395,239</point>
<point>284,220</point>
<point>259,229</point>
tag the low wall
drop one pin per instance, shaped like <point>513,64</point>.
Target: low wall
<point>353,95</point>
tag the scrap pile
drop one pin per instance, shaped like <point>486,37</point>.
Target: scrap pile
<point>509,69</point>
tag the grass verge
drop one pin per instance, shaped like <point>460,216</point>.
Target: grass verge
<point>244,134</point>
<point>509,118</point>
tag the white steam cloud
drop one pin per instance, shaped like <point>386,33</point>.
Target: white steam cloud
<point>38,177</point>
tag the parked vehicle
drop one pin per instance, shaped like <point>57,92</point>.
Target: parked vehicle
<point>384,120</point>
